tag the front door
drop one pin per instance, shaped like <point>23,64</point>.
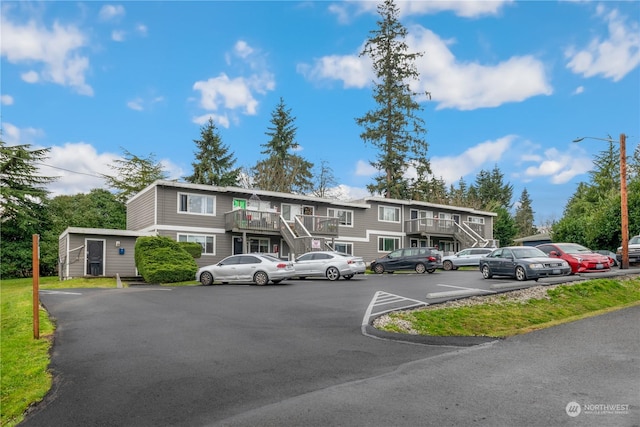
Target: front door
<point>95,257</point>
<point>237,246</point>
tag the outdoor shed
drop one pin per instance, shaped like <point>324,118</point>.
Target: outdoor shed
<point>97,252</point>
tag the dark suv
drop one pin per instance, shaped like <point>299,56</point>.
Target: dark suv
<point>418,259</point>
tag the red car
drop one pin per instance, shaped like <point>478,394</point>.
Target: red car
<point>581,259</point>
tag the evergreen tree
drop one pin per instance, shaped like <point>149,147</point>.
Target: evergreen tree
<point>22,207</point>
<point>489,187</point>
<point>394,126</point>
<point>283,170</point>
<point>524,216</point>
<point>133,174</point>
<point>214,165</point>
<point>504,228</point>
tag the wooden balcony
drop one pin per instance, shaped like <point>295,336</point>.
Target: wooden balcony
<point>255,221</point>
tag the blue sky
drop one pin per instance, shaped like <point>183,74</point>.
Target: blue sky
<point>512,84</point>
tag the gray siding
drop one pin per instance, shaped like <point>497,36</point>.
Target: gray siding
<point>141,210</point>
<point>73,260</point>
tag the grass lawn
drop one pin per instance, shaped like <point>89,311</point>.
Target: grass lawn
<point>24,360</point>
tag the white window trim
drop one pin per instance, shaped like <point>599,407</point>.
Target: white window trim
<point>390,207</point>
<point>213,198</point>
<point>397,239</point>
<point>335,215</point>
<point>200,235</point>
<point>475,220</point>
<point>347,244</point>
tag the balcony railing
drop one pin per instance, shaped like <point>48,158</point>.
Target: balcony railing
<point>439,226</point>
<point>242,219</point>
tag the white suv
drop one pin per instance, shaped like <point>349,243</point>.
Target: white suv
<point>464,258</point>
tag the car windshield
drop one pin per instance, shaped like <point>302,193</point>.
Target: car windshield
<point>635,240</point>
<point>572,248</point>
<point>528,253</point>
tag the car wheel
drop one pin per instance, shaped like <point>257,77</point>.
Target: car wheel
<point>431,270</point>
<point>520,274</point>
<point>447,265</point>
<point>379,269</point>
<point>333,273</point>
<point>420,268</point>
<point>486,272</point>
<point>261,278</point>
<point>206,279</point>
<point>347,277</point>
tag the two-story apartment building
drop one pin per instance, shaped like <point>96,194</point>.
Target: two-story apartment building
<point>230,220</point>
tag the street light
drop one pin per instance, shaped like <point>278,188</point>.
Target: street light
<point>623,195</point>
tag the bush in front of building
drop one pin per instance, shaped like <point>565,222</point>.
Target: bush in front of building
<point>194,248</point>
<point>162,260</point>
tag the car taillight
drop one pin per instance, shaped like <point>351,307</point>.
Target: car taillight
<point>432,259</point>
<point>351,261</point>
<point>281,265</point>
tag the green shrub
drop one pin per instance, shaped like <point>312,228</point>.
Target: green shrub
<point>194,248</point>
<point>162,260</point>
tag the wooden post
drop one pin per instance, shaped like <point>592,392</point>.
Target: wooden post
<point>624,214</point>
<point>36,285</point>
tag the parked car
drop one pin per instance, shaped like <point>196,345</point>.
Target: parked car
<point>464,258</point>
<point>523,263</point>
<point>613,262</point>
<point>634,251</point>
<point>247,268</point>
<point>418,259</point>
<point>581,259</point>
<point>328,264</point>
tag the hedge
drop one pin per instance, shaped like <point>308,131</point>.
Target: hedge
<point>163,260</point>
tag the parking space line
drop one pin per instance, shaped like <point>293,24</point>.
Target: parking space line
<point>386,299</point>
<point>59,293</point>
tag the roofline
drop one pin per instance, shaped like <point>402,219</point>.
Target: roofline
<point>427,204</point>
<point>106,232</point>
<point>250,192</point>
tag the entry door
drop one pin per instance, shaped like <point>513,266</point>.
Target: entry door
<point>95,257</point>
<point>237,246</point>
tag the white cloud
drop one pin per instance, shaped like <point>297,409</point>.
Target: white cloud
<point>225,95</point>
<point>467,9</point>
<point>611,58</point>
<point>135,104</point>
<point>451,169</point>
<point>142,29</point>
<point>461,85</point>
<point>141,104</point>
<point>79,168</point>
<point>6,99</point>
<point>118,35</point>
<point>560,167</point>
<point>364,168</point>
<point>579,90</point>
<point>109,12</point>
<point>14,135</point>
<point>58,49</point>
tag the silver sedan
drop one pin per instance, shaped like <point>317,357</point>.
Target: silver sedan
<point>246,268</point>
<point>328,264</point>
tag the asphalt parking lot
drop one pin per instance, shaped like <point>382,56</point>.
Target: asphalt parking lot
<point>295,354</point>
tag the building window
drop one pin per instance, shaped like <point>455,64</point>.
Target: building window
<point>345,248</point>
<point>259,245</point>
<point>196,204</point>
<point>475,219</point>
<point>239,204</point>
<point>388,214</point>
<point>388,244</point>
<point>345,217</point>
<point>207,242</point>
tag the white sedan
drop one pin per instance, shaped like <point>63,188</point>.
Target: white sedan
<point>328,264</point>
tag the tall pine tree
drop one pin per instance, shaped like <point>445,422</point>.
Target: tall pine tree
<point>394,126</point>
<point>214,163</point>
<point>524,216</point>
<point>283,170</point>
